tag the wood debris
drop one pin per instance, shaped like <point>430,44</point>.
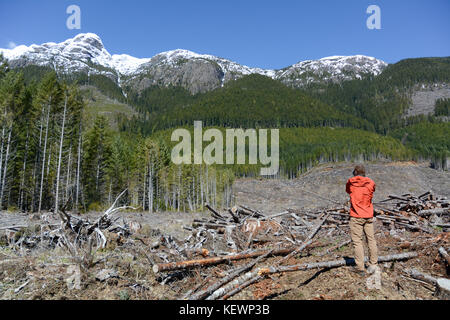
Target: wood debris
<point>230,249</point>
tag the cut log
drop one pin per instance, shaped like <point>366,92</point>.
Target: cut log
<point>189,264</point>
<point>445,255</point>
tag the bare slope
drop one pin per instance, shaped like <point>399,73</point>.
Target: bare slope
<point>329,180</point>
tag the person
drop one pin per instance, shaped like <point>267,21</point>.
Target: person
<point>361,189</point>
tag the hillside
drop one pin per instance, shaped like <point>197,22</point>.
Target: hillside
<point>98,104</point>
<point>327,181</point>
<point>252,101</point>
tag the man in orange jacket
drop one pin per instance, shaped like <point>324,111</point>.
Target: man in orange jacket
<point>361,189</point>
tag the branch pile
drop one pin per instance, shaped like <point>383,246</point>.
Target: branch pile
<point>78,235</point>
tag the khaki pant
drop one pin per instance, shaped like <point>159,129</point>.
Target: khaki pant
<point>357,227</point>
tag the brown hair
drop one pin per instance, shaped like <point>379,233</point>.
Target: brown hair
<point>359,171</point>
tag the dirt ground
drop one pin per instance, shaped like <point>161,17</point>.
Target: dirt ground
<point>123,270</point>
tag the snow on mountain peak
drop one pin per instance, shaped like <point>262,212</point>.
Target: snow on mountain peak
<point>75,54</point>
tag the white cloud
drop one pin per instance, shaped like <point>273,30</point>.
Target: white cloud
<point>11,45</point>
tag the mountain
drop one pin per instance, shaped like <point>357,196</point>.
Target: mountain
<point>83,53</point>
<point>86,53</point>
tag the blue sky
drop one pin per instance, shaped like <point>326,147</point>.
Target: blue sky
<point>266,34</point>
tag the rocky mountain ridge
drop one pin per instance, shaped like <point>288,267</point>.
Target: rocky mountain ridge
<point>86,53</point>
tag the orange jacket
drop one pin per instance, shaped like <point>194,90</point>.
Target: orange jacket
<point>361,191</point>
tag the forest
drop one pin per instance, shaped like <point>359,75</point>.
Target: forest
<point>50,160</point>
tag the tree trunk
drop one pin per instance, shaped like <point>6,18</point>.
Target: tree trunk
<point>60,156</point>
<point>150,188</point>
<point>77,191</point>
<point>5,169</point>
<point>24,167</point>
<point>1,151</point>
<point>43,160</point>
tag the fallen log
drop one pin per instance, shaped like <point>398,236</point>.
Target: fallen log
<point>209,225</point>
<point>413,227</point>
<point>233,215</point>
<point>189,264</point>
<point>275,215</point>
<point>415,274</point>
<point>398,198</point>
<point>249,212</point>
<point>333,264</point>
<point>429,212</point>
<point>214,212</point>
<point>14,227</point>
<point>209,290</point>
<point>426,194</point>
